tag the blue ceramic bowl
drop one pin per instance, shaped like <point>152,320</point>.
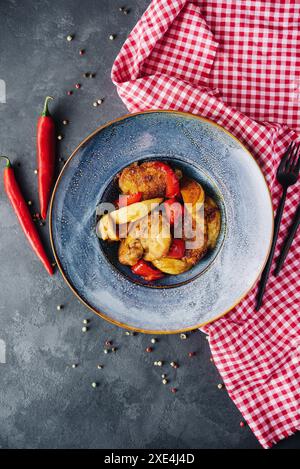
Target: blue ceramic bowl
<point>192,170</point>
<point>207,153</point>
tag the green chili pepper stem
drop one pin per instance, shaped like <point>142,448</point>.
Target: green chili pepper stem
<point>8,163</point>
<point>45,109</point>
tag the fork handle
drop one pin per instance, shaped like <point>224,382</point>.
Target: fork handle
<point>266,271</point>
<point>288,241</point>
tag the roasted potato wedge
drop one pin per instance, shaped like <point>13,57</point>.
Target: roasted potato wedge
<point>192,192</point>
<point>155,237</point>
<point>213,218</point>
<point>171,266</point>
<point>106,229</point>
<point>135,211</point>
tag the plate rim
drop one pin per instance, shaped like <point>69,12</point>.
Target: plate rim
<point>101,313</point>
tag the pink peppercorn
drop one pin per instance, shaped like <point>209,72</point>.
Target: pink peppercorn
<point>242,424</point>
<point>78,86</point>
<point>108,343</point>
<point>174,390</point>
<point>149,349</point>
<point>70,92</point>
<point>192,354</point>
<point>81,52</point>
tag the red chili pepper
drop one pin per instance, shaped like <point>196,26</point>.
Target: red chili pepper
<point>172,182</point>
<point>21,209</point>
<point>125,200</point>
<point>174,210</point>
<point>143,269</point>
<point>45,156</point>
<point>177,249</point>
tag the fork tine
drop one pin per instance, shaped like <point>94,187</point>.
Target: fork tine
<point>294,156</point>
<point>288,150</point>
<point>284,158</point>
<point>297,162</point>
<point>291,156</point>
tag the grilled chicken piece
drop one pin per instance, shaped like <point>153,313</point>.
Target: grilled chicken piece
<point>130,251</point>
<point>145,178</point>
<point>198,236</point>
<point>213,218</point>
<point>149,238</point>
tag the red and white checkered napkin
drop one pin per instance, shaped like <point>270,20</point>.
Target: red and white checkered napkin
<point>237,63</point>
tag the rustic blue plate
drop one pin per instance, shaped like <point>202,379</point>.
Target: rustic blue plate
<point>202,150</point>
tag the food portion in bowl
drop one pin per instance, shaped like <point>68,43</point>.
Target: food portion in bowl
<point>163,220</point>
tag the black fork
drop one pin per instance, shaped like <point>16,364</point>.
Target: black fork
<point>287,175</point>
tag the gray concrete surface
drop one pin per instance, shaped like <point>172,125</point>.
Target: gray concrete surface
<point>44,403</point>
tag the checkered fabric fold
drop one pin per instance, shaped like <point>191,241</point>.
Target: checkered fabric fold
<point>238,64</point>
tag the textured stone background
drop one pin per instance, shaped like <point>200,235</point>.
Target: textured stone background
<point>44,403</point>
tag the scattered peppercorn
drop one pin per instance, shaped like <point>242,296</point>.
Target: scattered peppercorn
<point>95,104</point>
<point>91,75</point>
<point>114,349</point>
<point>121,8</point>
<point>29,202</point>
<point>85,321</point>
<point>153,341</point>
<point>165,381</point>
<point>65,122</point>
<point>220,386</point>
<point>183,336</point>
<point>174,365</point>
<point>60,137</point>
<point>149,349</point>
<point>126,12</point>
<point>78,86</point>
<point>159,363</point>
<point>192,354</point>
<point>211,359</point>
<point>112,37</point>
<point>84,329</point>
<point>59,307</point>
<point>86,75</point>
<point>69,93</point>
<point>74,365</point>
<point>242,424</point>
<point>108,343</point>
<point>99,101</point>
<point>99,367</point>
<point>82,51</point>
<point>35,171</point>
<point>163,375</point>
<point>70,38</point>
<point>174,390</point>
<point>94,384</point>
<point>105,351</point>
<point>127,333</point>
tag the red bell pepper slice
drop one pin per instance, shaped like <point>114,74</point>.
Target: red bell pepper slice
<point>177,249</point>
<point>143,269</point>
<point>125,200</point>
<point>172,182</point>
<point>174,210</point>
